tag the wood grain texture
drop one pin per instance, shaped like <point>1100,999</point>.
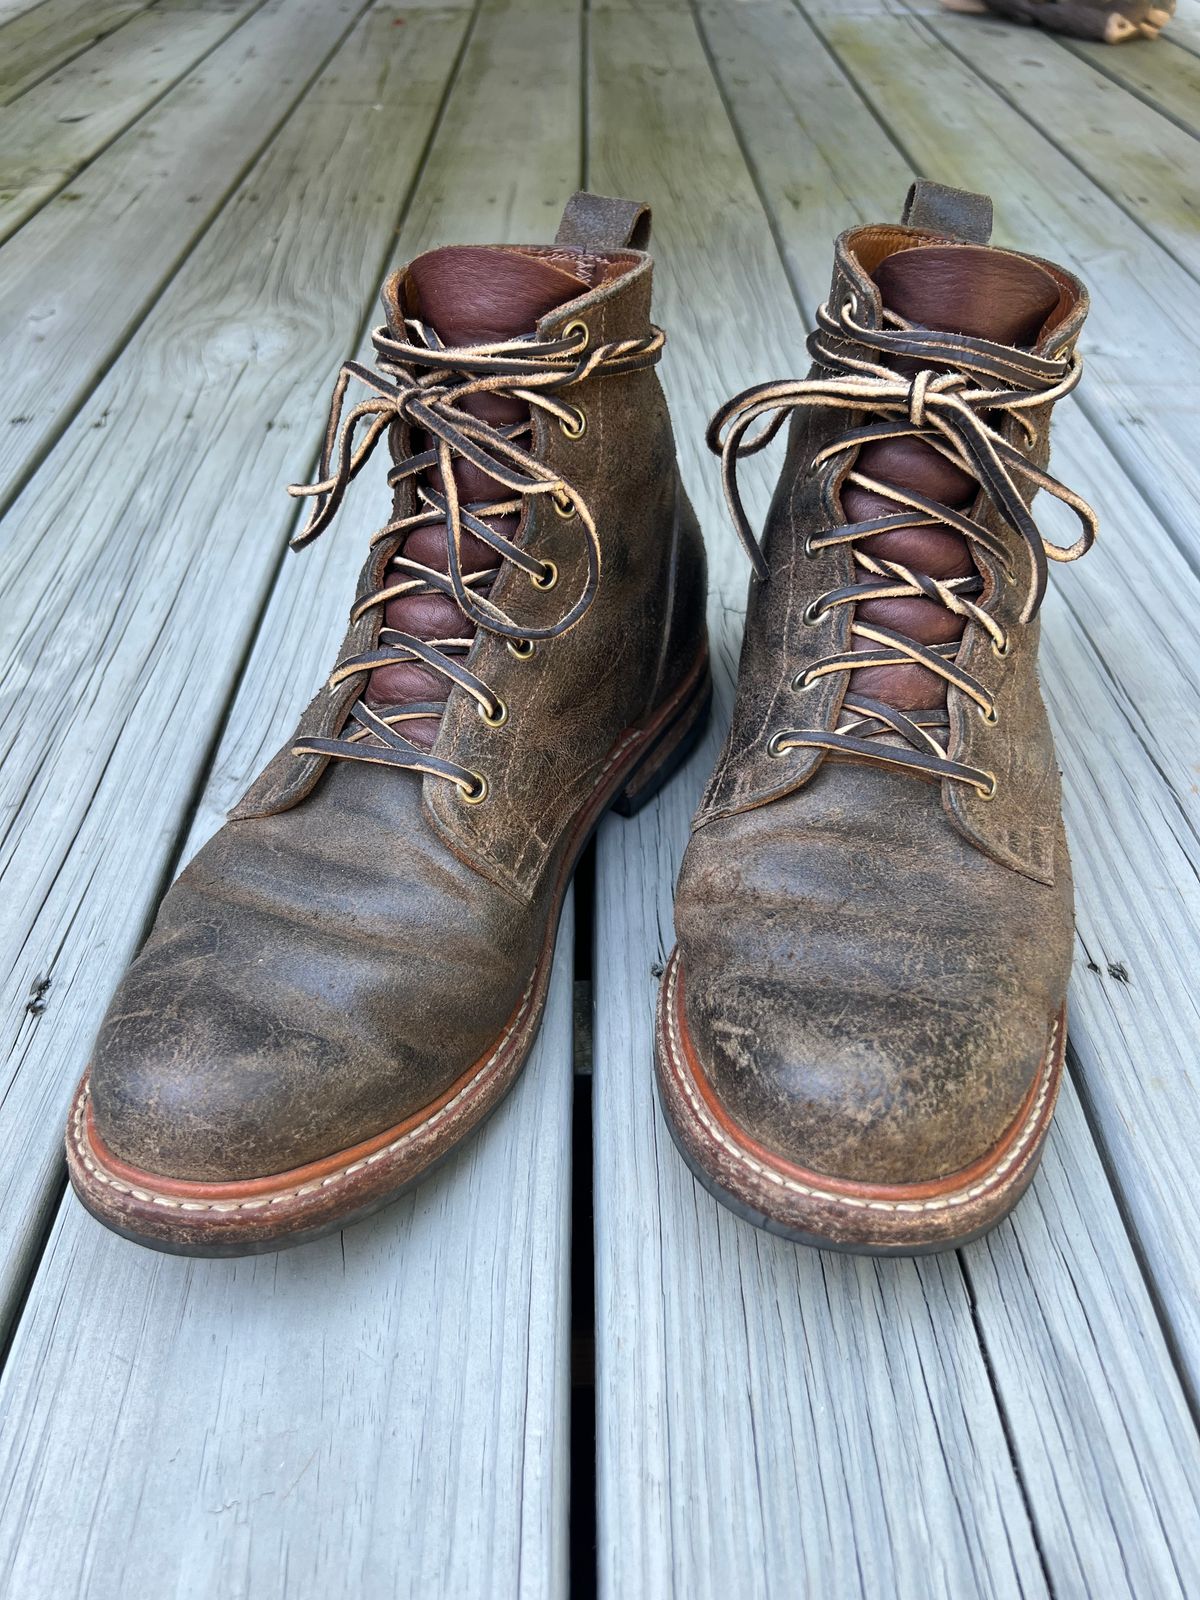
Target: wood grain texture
<point>163,182</point>
<point>1055,1300</point>
<point>63,123</point>
<point>36,42</point>
<point>380,1414</point>
<point>179,457</point>
<point>1166,80</point>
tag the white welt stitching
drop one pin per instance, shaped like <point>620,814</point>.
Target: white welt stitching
<point>316,1184</point>
<point>956,1197</point>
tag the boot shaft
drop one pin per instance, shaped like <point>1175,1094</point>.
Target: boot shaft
<point>605,615</point>
<point>955,434</point>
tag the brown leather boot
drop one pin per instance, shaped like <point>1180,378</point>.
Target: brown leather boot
<point>350,975</point>
<point>1111,21</point>
<point>862,1027</point>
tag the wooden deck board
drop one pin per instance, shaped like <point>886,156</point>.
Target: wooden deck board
<point>1140,159</point>
<point>52,131</point>
<point>1185,30</point>
<point>381,1414</point>
<point>1167,80</point>
<point>387,1413</point>
<point>35,42</point>
<point>165,180</point>
<point>10,9</point>
<point>1142,345</point>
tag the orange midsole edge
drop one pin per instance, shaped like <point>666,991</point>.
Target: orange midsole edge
<point>189,1189</point>
<point>821,1180</point>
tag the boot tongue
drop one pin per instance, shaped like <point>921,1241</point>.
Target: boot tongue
<point>468,294</point>
<point>476,294</point>
<point>985,294</point>
<point>971,289</point>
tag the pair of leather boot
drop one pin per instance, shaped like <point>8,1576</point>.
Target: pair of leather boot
<point>861,1028</point>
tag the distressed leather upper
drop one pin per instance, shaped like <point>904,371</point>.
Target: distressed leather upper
<point>872,961</point>
<point>1018,826</point>
<point>357,936</point>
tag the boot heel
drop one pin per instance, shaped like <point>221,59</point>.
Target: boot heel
<point>664,759</point>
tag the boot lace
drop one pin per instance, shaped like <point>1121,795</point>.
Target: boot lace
<point>963,389</point>
<point>423,383</point>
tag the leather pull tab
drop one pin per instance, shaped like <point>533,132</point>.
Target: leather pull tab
<point>596,222</point>
<point>954,213</point>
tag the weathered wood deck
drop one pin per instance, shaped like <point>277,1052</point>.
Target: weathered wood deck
<point>199,199</point>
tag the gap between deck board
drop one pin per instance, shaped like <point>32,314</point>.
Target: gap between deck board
<point>1133,154</point>
<point>760,1412</point>
<point>1147,365</point>
<point>854,1295</point>
<point>38,42</point>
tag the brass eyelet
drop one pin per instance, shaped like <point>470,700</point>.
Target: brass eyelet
<point>564,507</point>
<point>577,327</point>
<point>547,578</point>
<point>522,649</point>
<point>814,611</point>
<point>988,794</point>
<point>988,714</point>
<point>495,716</point>
<point>773,747</point>
<point>577,427</point>
<point>1001,651</point>
<point>475,795</point>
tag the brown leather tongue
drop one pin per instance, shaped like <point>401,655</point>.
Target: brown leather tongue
<point>969,289</point>
<point>468,294</point>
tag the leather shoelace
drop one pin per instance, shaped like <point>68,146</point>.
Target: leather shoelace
<point>961,384</point>
<point>423,383</point>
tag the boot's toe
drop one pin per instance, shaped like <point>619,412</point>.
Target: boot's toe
<point>292,1002</point>
<point>214,1072</point>
<point>880,1015</point>
<point>890,1089</point>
